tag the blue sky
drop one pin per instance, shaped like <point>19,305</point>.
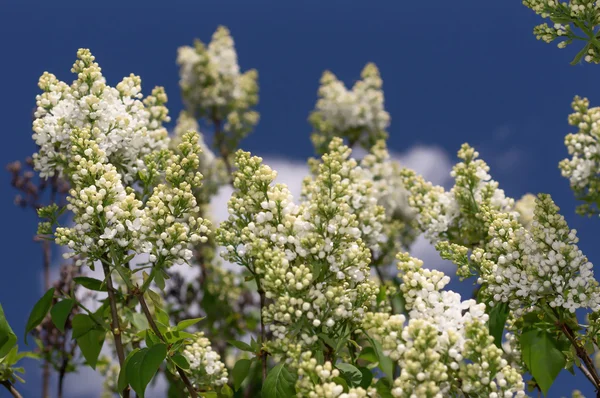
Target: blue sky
<point>454,72</point>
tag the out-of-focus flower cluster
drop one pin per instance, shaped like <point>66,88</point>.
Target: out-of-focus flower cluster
<point>570,21</point>
<point>125,126</point>
<point>357,115</point>
<point>213,87</point>
<point>311,260</point>
<point>584,165</point>
<point>445,348</point>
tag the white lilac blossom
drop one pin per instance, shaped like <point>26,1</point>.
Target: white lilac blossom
<point>584,148</point>
<point>455,215</point>
<point>125,126</point>
<point>357,115</point>
<point>206,367</point>
<point>445,348</point>
<point>524,267</point>
<point>309,259</point>
<point>213,86</point>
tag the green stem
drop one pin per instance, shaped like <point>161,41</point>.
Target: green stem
<point>11,388</point>
<point>156,330</point>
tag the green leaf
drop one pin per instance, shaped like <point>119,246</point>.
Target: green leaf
<point>542,357</point>
<point>180,361</point>
<point>90,345</point>
<point>350,373</point>
<point>60,312</point>
<point>498,315</point>
<point>39,311</point>
<point>226,392</point>
<point>186,323</point>
<point>367,377</point>
<point>142,367</point>
<point>580,54</point>
<point>91,283</point>
<point>368,354</point>
<point>385,363</point>
<point>341,381</point>
<point>240,372</point>
<point>81,324</point>
<point>384,389</point>
<point>123,381</point>
<point>241,345</point>
<point>8,339</point>
<point>279,383</point>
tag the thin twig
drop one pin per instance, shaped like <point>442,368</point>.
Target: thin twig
<point>263,333</point>
<point>115,326</point>
<point>184,378</point>
<point>590,372</point>
<point>9,386</point>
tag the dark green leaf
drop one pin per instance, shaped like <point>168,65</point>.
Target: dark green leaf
<point>368,354</point>
<point>180,361</point>
<point>8,339</point>
<point>91,283</point>
<point>350,373</point>
<point>81,324</point>
<point>39,311</point>
<point>241,345</point>
<point>498,315</point>
<point>60,312</point>
<point>542,357</point>
<point>240,371</point>
<point>367,377</point>
<point>142,367</point>
<point>279,383</point>
<point>123,381</point>
<point>384,389</point>
<point>90,345</point>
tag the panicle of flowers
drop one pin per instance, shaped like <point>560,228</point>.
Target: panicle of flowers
<point>455,215</point>
<point>572,20</point>
<point>206,368</point>
<point>319,381</point>
<point>400,226</point>
<point>445,348</point>
<point>357,115</point>
<point>523,267</point>
<point>583,167</point>
<point>102,209</point>
<point>212,168</point>
<point>171,224</point>
<point>213,87</point>
<point>310,259</point>
<point>125,127</point>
